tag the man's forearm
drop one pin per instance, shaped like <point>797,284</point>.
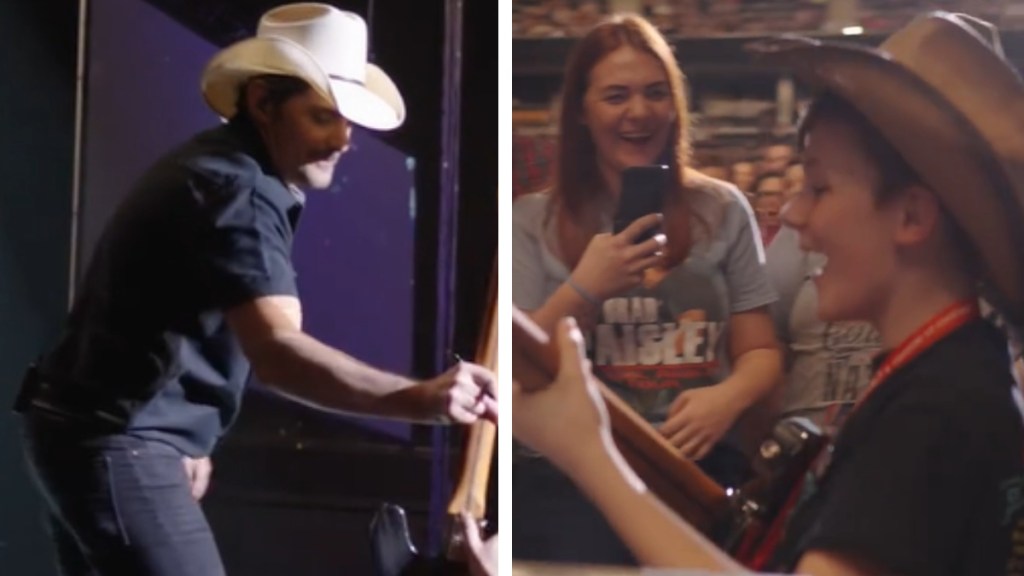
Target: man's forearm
<point>310,372</point>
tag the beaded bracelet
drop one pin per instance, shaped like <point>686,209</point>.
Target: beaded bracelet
<point>583,293</point>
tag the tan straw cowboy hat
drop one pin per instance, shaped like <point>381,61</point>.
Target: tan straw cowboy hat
<point>320,44</point>
<point>941,92</point>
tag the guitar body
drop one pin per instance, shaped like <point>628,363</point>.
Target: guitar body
<point>395,554</point>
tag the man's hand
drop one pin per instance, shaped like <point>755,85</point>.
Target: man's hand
<point>198,471</point>
<point>481,556</point>
<point>465,393</point>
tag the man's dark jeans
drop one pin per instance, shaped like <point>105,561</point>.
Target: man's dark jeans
<point>117,504</point>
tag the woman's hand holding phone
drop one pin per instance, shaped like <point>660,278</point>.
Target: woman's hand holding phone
<point>613,263</point>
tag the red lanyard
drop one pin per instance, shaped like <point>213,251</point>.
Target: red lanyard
<point>937,328</point>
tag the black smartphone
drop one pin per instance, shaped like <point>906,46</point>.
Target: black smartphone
<point>643,193</point>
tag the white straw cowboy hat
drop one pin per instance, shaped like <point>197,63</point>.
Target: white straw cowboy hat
<point>941,92</point>
<point>320,44</point>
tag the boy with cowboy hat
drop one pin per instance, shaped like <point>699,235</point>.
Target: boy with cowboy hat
<point>192,285</point>
<point>914,158</point>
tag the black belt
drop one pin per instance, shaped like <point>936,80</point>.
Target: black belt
<point>67,402</point>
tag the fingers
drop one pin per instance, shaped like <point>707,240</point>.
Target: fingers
<point>695,448</point>
<point>490,409</point>
<point>482,559</point>
<point>651,246</point>
<point>639,226</point>
<point>692,440</point>
<point>679,402</point>
<point>643,256</point>
<point>573,362</point>
<point>461,414</point>
<point>676,420</point>
<point>198,471</point>
<point>467,389</point>
<point>480,376</point>
<point>483,379</point>
<point>464,402</point>
<point>686,440</point>
<point>472,531</point>
<point>474,379</point>
<point>574,367</point>
<point>675,424</point>
<point>201,480</point>
<point>638,267</point>
<point>469,393</point>
<point>189,465</point>
<point>702,451</point>
<point>682,433</point>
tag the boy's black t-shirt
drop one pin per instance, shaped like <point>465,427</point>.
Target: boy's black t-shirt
<point>927,476</point>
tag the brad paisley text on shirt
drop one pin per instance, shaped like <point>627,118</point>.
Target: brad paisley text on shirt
<point>649,355</point>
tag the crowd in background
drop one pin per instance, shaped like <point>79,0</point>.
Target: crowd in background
<point>768,177</point>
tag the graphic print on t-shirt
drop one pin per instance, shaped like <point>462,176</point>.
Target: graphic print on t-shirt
<point>848,351</point>
<point>831,362</point>
<point>650,345</point>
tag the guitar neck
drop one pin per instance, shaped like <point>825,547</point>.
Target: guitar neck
<point>471,491</point>
<point>680,483</point>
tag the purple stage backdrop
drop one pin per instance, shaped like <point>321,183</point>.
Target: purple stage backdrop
<point>354,251</point>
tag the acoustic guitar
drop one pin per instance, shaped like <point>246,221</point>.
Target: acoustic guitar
<point>740,521</point>
<point>394,553</point>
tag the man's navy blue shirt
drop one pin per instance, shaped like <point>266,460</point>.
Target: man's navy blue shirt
<point>147,346</point>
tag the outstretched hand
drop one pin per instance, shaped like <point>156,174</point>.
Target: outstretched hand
<point>464,393</point>
<point>561,418</point>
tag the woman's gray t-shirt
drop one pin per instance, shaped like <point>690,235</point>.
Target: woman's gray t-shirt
<point>650,344</point>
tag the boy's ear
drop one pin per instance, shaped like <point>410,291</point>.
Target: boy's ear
<point>920,215</point>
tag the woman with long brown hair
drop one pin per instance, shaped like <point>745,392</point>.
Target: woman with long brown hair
<point>676,324</point>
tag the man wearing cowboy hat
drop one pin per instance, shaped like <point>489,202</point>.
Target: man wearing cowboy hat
<point>192,285</point>
<point>914,195</point>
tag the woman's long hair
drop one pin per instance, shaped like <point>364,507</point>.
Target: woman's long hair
<point>580,196</point>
